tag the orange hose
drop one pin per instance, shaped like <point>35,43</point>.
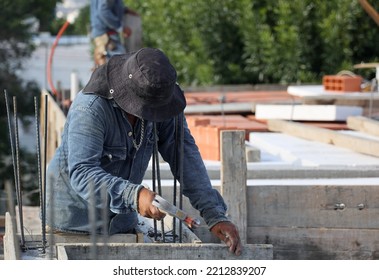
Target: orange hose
<point>50,61</point>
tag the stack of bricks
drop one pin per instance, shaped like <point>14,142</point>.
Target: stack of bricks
<point>206,131</point>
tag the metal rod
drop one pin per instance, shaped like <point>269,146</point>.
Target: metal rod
<point>11,135</point>
<point>105,219</point>
<point>51,218</point>
<point>44,160</point>
<point>158,177</point>
<point>181,183</point>
<point>174,195</point>
<point>40,174</point>
<point>19,190</point>
<point>154,188</point>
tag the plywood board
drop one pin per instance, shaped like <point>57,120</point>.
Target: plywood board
<point>318,205</point>
<point>359,144</point>
<point>159,251</point>
<point>318,243</point>
<point>364,124</point>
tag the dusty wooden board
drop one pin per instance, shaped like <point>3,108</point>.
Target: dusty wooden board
<point>318,243</point>
<point>2,221</point>
<point>364,124</point>
<point>11,242</point>
<point>233,177</point>
<point>358,144</point>
<point>317,205</point>
<point>159,251</point>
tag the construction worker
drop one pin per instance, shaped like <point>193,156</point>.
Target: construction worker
<point>130,105</point>
<point>106,26</point>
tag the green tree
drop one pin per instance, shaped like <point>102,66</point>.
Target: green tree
<point>268,41</point>
<point>19,19</point>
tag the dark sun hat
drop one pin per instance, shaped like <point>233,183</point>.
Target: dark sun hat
<point>142,83</point>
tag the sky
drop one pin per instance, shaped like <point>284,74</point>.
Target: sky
<point>70,7</point>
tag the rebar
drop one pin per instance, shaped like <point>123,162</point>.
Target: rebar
<point>38,143</point>
<point>44,160</point>
<point>105,219</point>
<point>20,209</point>
<point>181,182</point>
<point>156,158</point>
<point>17,173</point>
<point>154,189</point>
<point>51,218</point>
<point>174,195</point>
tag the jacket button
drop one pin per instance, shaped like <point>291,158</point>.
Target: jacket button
<point>130,134</point>
<point>110,156</point>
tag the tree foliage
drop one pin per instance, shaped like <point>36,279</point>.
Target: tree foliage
<point>247,41</point>
<point>19,19</point>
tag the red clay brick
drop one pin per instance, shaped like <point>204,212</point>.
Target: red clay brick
<point>339,83</point>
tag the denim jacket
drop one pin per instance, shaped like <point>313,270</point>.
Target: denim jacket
<point>106,15</point>
<point>97,151</point>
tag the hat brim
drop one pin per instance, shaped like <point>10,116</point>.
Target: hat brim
<point>117,78</point>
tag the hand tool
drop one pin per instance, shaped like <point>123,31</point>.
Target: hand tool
<point>174,211</point>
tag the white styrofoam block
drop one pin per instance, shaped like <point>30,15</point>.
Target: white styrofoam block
<point>302,152</point>
<point>306,112</point>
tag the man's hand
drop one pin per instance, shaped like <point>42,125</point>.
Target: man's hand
<point>228,233</point>
<point>145,208</point>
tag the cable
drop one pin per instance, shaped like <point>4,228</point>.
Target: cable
<point>50,61</point>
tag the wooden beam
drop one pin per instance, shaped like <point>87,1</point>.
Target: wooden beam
<point>11,240</point>
<point>363,124</point>
<point>358,144</point>
<point>296,243</point>
<point>2,221</point>
<point>233,177</point>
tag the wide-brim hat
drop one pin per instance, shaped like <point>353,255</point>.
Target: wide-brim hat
<point>142,83</point>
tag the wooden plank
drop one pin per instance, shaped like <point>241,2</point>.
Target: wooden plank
<point>313,206</point>
<point>11,241</point>
<point>2,221</point>
<point>318,243</point>
<point>166,251</point>
<point>358,144</point>
<point>233,177</point>
<point>363,124</point>
<point>55,123</point>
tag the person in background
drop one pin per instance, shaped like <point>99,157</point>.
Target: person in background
<point>106,18</point>
<point>131,108</point>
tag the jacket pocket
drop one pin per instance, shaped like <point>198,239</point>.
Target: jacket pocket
<point>112,159</point>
